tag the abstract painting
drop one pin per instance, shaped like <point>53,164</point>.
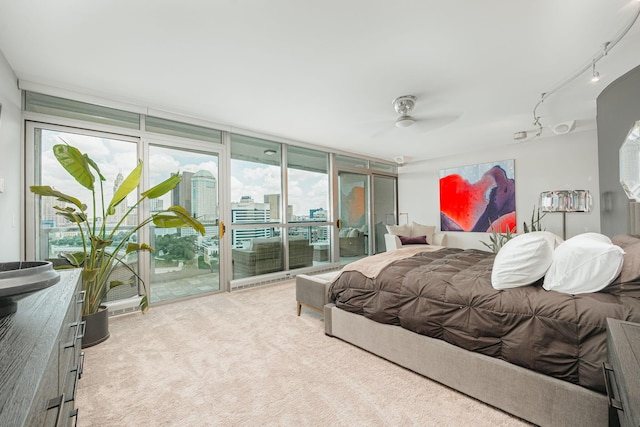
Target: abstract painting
<point>478,197</point>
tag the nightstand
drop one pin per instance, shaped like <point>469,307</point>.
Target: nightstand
<point>622,372</point>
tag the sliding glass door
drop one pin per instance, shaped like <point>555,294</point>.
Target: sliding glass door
<point>384,208</point>
<point>53,235</point>
<point>353,208</point>
<point>185,263</point>
<point>367,203</point>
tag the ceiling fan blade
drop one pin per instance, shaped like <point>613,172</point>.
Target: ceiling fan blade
<point>383,131</point>
<point>376,129</point>
<point>431,123</point>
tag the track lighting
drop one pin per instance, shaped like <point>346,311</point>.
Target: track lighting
<point>595,76</point>
<point>519,136</point>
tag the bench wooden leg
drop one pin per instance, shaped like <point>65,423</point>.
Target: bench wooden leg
<point>299,308</point>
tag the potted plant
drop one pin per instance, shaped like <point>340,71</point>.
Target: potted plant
<point>499,239</point>
<point>100,255</point>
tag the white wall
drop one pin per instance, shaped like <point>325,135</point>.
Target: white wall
<point>10,169</point>
<point>566,162</point>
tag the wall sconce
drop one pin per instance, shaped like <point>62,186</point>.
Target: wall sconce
<point>565,201</point>
<point>629,156</point>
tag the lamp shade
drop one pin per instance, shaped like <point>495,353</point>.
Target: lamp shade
<point>565,201</point>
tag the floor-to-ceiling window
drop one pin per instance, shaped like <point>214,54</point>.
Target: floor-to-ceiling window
<point>280,201</point>
<point>185,263</point>
<point>367,202</point>
<point>353,206</point>
<point>54,236</point>
<point>308,196</point>
<point>384,208</point>
<point>257,207</point>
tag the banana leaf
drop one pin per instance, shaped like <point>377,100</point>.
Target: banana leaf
<point>163,188</point>
<point>75,163</point>
<point>45,190</point>
<point>129,184</point>
<point>134,247</point>
<point>187,218</point>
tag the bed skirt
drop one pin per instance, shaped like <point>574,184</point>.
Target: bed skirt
<point>534,397</point>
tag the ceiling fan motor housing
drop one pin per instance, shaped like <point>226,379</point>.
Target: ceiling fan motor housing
<point>404,104</point>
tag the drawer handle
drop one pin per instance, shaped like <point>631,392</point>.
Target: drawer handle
<point>82,327</point>
<point>57,402</point>
<point>73,325</point>
<point>78,335</point>
<point>76,377</point>
<point>74,414</point>
<point>608,374</point>
<point>81,295</point>
<point>81,363</point>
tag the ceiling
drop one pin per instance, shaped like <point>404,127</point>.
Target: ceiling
<point>325,72</point>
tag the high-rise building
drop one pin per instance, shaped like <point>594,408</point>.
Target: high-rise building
<point>181,194</point>
<point>273,200</point>
<point>48,217</point>
<point>274,207</point>
<point>156,205</point>
<point>319,214</point>
<point>248,211</point>
<point>204,196</point>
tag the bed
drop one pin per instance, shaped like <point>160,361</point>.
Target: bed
<point>534,353</point>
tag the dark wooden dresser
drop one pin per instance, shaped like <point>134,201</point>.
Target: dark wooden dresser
<point>40,356</point>
<point>623,372</point>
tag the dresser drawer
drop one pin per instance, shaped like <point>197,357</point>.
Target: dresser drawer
<point>40,356</point>
<point>622,372</point>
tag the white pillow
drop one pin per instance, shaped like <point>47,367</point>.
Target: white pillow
<point>399,230</point>
<point>583,264</point>
<point>523,260</point>
<point>592,236</point>
<point>423,230</point>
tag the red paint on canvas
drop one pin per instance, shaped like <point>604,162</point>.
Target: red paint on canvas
<point>462,201</point>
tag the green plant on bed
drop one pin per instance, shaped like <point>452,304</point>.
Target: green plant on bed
<point>498,239</point>
<point>535,221</point>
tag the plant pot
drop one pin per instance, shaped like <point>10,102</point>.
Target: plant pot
<point>96,327</point>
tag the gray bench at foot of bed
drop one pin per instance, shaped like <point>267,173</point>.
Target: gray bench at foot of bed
<point>313,291</point>
<point>537,398</point>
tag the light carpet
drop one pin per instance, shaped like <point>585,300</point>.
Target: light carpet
<point>246,359</point>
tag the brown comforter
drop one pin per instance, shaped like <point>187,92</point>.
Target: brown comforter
<point>447,294</point>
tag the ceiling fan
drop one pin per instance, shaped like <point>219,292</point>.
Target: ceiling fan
<point>419,123</point>
<point>403,106</point>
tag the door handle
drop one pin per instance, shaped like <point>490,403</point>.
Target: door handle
<point>222,229</point>
<point>339,224</point>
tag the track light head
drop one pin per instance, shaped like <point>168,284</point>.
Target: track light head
<point>595,76</point>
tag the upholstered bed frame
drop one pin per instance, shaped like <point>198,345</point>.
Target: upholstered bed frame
<point>534,397</point>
